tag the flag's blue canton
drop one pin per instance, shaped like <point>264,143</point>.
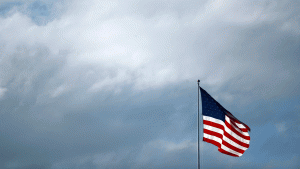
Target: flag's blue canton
<point>210,107</point>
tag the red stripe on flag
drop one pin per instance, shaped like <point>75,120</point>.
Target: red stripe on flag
<point>232,147</point>
<point>236,132</point>
<point>236,140</point>
<point>219,147</point>
<point>233,124</point>
<point>228,153</point>
<point>237,121</point>
<point>212,133</point>
<point>210,123</point>
<point>219,126</point>
<point>212,142</point>
<point>244,129</point>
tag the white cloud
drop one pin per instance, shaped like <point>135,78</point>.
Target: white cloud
<point>159,148</point>
<point>227,97</point>
<point>281,127</point>
<point>171,146</point>
<point>292,26</point>
<point>58,91</point>
<point>108,159</point>
<point>111,47</point>
<point>2,92</point>
<point>102,160</point>
<point>283,163</point>
<point>13,164</point>
<point>124,46</point>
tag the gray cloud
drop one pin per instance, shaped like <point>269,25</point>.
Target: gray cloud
<point>88,84</point>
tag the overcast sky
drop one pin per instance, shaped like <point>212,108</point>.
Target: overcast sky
<point>113,84</point>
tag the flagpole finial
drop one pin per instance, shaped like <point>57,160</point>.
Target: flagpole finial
<point>198,81</point>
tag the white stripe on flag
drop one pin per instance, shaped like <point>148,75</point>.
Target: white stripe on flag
<point>211,128</point>
<point>236,136</point>
<point>224,138</point>
<point>240,125</point>
<point>213,120</point>
<point>217,139</point>
<point>217,130</point>
<point>243,133</point>
<point>234,143</point>
<point>229,150</point>
<point>207,118</point>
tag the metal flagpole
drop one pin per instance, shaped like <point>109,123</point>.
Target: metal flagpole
<point>198,127</point>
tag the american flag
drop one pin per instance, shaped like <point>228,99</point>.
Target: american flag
<point>222,129</point>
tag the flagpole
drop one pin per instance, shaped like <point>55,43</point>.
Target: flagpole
<point>198,127</point>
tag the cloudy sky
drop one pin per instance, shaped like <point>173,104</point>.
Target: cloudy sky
<point>113,84</point>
